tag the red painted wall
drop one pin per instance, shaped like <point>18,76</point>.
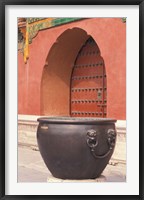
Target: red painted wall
<point>109,34</point>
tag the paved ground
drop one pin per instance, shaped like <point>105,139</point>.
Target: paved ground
<point>31,168</point>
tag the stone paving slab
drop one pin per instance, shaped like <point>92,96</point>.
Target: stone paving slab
<point>31,168</point>
<point>58,180</point>
<point>29,175</point>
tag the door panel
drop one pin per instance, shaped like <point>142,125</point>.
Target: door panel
<point>88,83</point>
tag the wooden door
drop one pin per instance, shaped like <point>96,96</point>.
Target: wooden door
<point>88,83</point>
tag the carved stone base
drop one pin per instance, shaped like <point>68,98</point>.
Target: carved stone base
<point>52,179</point>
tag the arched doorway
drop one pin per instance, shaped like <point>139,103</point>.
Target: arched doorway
<point>88,83</point>
<point>58,84</point>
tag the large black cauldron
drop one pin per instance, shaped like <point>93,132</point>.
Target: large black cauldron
<point>76,148</point>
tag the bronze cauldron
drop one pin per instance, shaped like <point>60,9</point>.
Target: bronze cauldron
<point>76,148</point>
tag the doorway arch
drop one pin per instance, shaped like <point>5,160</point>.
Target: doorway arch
<point>57,73</point>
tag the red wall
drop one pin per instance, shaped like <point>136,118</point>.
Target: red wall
<point>109,34</point>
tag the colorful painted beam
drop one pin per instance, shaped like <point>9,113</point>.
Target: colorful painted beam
<point>37,24</point>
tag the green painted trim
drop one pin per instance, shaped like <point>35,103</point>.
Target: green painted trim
<point>60,21</point>
<point>124,19</point>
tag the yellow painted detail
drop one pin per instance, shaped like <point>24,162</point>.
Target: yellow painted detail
<point>26,47</point>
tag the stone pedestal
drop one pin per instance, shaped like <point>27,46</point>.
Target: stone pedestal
<point>52,179</point>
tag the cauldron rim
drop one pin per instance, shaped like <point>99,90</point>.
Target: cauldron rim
<point>75,120</point>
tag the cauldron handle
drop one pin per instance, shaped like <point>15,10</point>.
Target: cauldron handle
<point>92,141</point>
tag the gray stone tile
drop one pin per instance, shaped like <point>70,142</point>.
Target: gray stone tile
<point>31,168</point>
<point>31,175</point>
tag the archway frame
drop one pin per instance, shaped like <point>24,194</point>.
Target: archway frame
<point>56,75</point>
